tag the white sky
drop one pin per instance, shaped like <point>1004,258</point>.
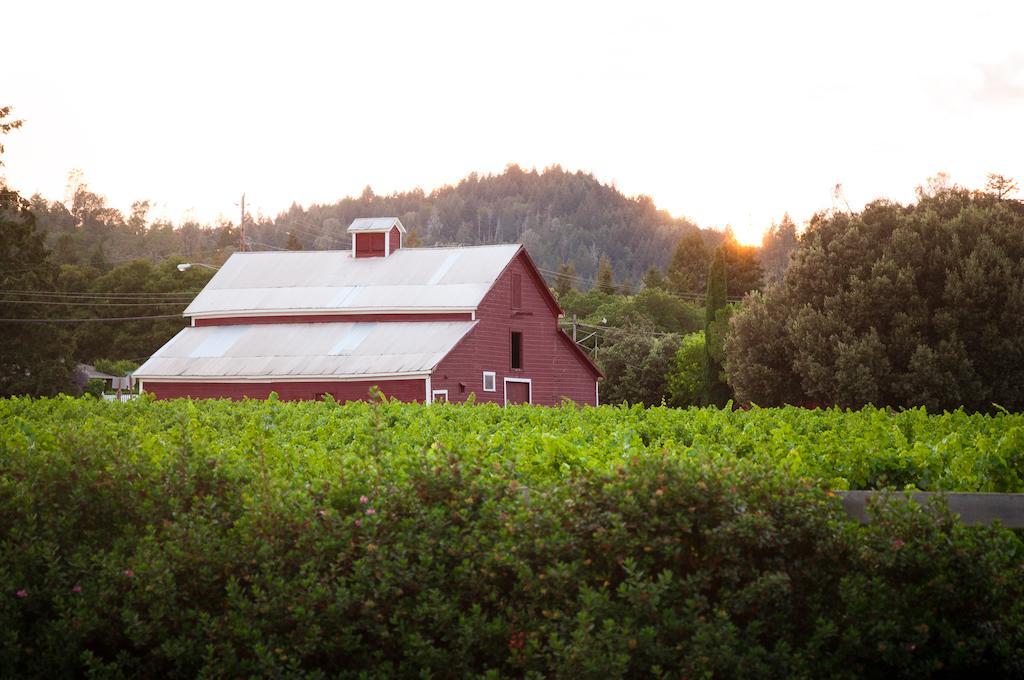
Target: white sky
<point>726,112</point>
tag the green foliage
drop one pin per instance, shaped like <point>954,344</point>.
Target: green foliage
<point>563,217</point>
<point>688,271</point>
<point>33,355</point>
<point>686,377</point>
<point>743,266</point>
<point>565,281</point>
<point>605,277</point>
<point>654,279</point>
<point>896,305</point>
<point>716,390</point>
<point>636,337</point>
<point>636,365</point>
<point>312,539</point>
<point>95,386</point>
<point>149,285</point>
<point>120,367</point>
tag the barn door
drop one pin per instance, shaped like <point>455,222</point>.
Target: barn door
<point>517,392</point>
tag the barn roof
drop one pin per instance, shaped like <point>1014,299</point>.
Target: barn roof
<point>374,224</point>
<point>305,350</point>
<point>327,281</point>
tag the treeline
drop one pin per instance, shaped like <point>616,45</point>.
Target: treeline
<point>897,305</point>
<point>561,217</point>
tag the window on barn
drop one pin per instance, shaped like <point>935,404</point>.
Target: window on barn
<point>517,291</point>
<point>490,383</point>
<point>517,350</point>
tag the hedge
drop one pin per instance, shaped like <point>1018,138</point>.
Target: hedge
<point>166,556</point>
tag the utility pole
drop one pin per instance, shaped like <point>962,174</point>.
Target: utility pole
<point>241,227</point>
<point>574,328</point>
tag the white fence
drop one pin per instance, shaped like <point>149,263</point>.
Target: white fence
<point>128,396</point>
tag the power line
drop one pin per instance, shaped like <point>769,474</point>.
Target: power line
<point>104,296</point>
<point>84,303</point>
<point>581,279</point>
<point>267,245</point>
<point>111,318</point>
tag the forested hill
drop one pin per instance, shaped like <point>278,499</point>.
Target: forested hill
<point>560,216</point>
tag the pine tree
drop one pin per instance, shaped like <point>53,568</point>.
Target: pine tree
<point>653,279</point>
<point>605,276</point>
<point>688,270</point>
<point>716,391</point>
<point>293,242</point>
<point>565,279</point>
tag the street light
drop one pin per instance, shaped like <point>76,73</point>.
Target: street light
<point>185,266</point>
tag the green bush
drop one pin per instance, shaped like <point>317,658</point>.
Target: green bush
<point>120,367</point>
<point>269,539</point>
<point>686,379</point>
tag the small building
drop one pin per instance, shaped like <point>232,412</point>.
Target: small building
<point>420,324</point>
<point>83,373</point>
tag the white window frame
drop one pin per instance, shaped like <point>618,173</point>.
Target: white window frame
<point>494,381</point>
<point>529,393</point>
<point>434,393</point>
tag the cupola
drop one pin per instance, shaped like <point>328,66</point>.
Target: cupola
<point>375,236</point>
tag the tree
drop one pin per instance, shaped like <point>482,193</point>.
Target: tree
<point>34,354</point>
<point>654,279</point>
<point>742,265</point>
<point>1000,186</point>
<point>7,126</point>
<point>688,270</point>
<point>896,306</point>
<point>686,377</point>
<point>716,391</point>
<point>777,245</point>
<point>293,242</point>
<point>605,277</point>
<point>565,279</point>
<point>636,364</point>
<point>412,239</point>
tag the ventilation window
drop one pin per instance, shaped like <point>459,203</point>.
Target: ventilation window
<point>517,350</point>
<point>490,382</point>
<point>517,291</point>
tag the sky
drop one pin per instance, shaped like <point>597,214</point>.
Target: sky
<point>728,113</point>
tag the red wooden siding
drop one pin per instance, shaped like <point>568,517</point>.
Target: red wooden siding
<point>333,318</point>
<point>369,245</point>
<point>556,370</point>
<point>394,240</point>
<point>406,390</point>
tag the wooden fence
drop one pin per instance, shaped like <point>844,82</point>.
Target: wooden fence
<point>973,508</point>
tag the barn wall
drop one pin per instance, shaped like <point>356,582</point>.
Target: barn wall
<point>332,318</point>
<point>394,240</point>
<point>556,370</point>
<point>369,245</point>
<point>406,390</point>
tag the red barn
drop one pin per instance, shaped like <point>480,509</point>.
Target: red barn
<point>421,324</point>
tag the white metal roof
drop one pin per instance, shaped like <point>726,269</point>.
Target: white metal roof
<point>375,224</point>
<point>330,281</point>
<point>305,350</point>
